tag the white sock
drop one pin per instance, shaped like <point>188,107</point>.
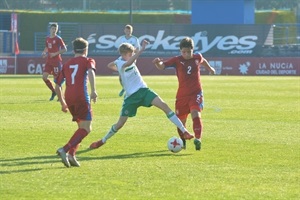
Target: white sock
<point>174,119</point>
<point>110,133</point>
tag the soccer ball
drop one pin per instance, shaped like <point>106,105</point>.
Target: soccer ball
<point>175,144</point>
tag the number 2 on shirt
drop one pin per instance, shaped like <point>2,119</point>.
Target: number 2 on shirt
<point>189,70</point>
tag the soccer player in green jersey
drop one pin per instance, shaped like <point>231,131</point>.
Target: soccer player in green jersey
<point>137,93</point>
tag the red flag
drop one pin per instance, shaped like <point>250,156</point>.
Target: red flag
<point>17,51</point>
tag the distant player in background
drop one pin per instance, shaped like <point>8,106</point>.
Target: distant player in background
<point>131,39</point>
<point>77,72</point>
<point>55,46</point>
<point>137,93</point>
<point>189,98</point>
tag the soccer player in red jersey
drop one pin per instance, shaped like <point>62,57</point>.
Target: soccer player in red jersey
<point>189,97</point>
<point>76,72</point>
<point>55,46</point>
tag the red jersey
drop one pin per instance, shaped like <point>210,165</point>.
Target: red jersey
<point>75,72</point>
<point>188,74</point>
<point>54,45</point>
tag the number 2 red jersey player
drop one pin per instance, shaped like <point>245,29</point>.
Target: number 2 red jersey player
<point>189,97</point>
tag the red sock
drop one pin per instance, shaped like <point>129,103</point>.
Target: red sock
<point>75,139</point>
<point>197,127</point>
<point>49,85</point>
<point>73,150</point>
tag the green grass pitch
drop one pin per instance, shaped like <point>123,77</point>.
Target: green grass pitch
<point>251,143</point>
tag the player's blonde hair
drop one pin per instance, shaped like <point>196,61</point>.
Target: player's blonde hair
<point>125,48</point>
<point>128,26</point>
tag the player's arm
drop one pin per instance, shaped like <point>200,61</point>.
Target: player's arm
<point>112,66</point>
<point>63,48</point>
<point>206,64</point>
<point>137,45</point>
<point>44,53</point>
<point>61,51</point>
<point>136,50</point>
<point>158,63</point>
<point>135,56</point>
<point>92,79</point>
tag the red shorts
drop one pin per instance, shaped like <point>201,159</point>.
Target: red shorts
<point>183,106</point>
<point>53,68</point>
<point>81,112</point>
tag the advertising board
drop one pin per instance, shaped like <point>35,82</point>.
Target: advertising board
<point>242,66</point>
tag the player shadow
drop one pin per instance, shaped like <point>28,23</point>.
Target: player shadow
<point>26,160</point>
<point>159,153</point>
<point>26,163</point>
<point>41,101</point>
<point>20,171</point>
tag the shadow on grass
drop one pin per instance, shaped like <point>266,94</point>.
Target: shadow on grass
<point>44,101</point>
<point>26,161</point>
<point>51,159</point>
<point>160,153</point>
<point>9,76</point>
<point>20,171</point>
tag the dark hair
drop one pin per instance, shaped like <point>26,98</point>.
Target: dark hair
<point>79,45</point>
<point>186,43</point>
<point>54,25</point>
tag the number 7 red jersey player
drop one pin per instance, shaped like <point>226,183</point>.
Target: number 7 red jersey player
<point>77,71</point>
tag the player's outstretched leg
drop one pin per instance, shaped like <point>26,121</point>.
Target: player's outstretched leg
<point>181,137</point>
<point>187,135</point>
<point>175,120</point>
<point>97,144</point>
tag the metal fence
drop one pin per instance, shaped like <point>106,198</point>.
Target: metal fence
<point>6,40</point>
<point>123,5</point>
<point>96,5</point>
<point>286,34</point>
<point>68,31</point>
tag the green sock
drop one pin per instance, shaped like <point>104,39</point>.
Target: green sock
<point>174,119</point>
<point>110,133</point>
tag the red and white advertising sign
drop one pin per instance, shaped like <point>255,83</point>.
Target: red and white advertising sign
<point>7,65</point>
<point>243,66</point>
<point>257,66</point>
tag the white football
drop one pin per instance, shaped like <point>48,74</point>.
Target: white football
<point>175,144</point>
